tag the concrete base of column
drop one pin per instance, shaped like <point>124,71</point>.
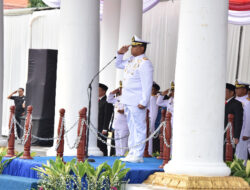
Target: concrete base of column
<point>173,181</point>
<point>196,169</point>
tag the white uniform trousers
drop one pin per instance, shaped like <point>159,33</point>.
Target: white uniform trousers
<point>120,133</point>
<point>136,119</point>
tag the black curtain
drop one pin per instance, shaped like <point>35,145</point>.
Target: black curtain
<point>40,93</point>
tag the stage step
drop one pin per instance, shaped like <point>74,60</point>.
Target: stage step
<point>8,182</point>
<point>144,187</point>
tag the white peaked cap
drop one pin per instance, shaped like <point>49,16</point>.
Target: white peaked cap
<point>138,41</point>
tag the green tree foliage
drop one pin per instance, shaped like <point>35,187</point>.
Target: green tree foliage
<point>37,3</point>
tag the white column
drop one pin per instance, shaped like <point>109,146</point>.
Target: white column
<point>200,90</point>
<point>78,62</point>
<point>1,63</point>
<point>109,40</point>
<point>130,24</point>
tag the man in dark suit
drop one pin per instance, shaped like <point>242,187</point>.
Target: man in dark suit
<point>234,107</point>
<point>104,117</point>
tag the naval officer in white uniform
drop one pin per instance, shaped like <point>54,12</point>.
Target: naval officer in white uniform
<point>120,122</point>
<point>153,112</point>
<point>169,103</point>
<point>243,147</point>
<point>137,85</point>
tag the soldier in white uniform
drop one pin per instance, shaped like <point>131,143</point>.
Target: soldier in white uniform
<point>120,122</point>
<point>169,103</point>
<point>153,112</point>
<point>243,147</point>
<point>137,85</point>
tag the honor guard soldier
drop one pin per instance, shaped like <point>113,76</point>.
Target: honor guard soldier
<point>169,102</point>
<point>243,147</point>
<point>153,112</point>
<point>137,85</point>
<point>105,112</point>
<point>234,107</point>
<point>120,121</point>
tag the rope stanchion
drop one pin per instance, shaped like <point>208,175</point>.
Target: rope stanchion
<point>82,129</point>
<point>11,136</point>
<point>27,134</point>
<point>229,139</point>
<point>167,135</point>
<point>163,114</point>
<point>146,154</point>
<point>60,132</point>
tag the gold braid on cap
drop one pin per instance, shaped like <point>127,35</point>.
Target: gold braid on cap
<point>134,43</point>
<point>237,85</point>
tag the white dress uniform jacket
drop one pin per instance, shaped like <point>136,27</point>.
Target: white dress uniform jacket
<point>169,104</point>
<point>242,99</point>
<point>138,79</point>
<point>120,120</point>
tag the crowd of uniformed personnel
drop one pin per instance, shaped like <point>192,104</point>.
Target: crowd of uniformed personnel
<point>237,102</point>
<point>125,108</point>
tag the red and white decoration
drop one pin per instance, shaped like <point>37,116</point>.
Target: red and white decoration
<point>147,4</point>
<point>239,12</point>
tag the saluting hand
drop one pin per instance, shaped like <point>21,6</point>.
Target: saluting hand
<point>123,49</point>
<point>115,91</point>
<point>164,93</point>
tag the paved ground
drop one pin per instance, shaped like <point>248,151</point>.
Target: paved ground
<point>40,151</point>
